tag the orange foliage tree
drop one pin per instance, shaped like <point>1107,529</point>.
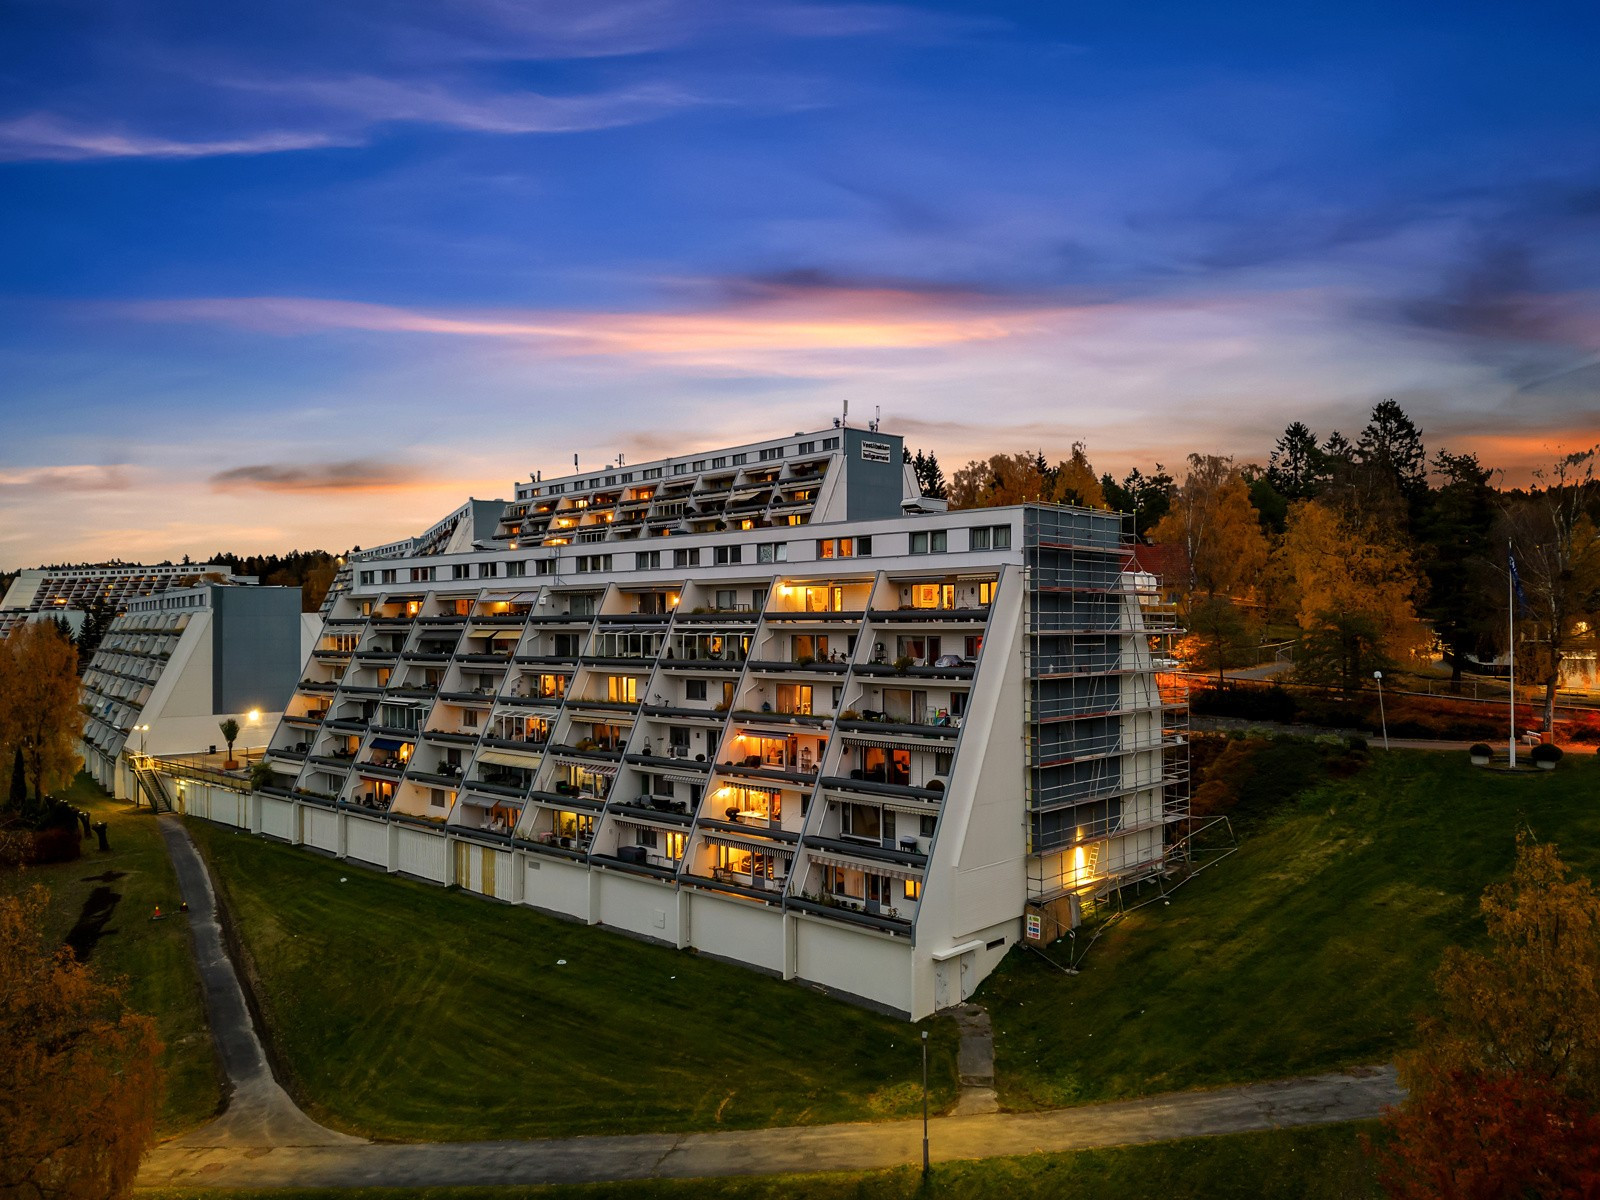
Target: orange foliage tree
<point>39,707</point>
<point>1354,592</point>
<point>1213,520</point>
<point>1027,479</point>
<point>1505,1085</point>
<point>79,1074</point>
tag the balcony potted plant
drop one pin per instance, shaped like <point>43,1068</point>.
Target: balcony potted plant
<point>1480,754</point>
<point>230,734</point>
<point>903,664</point>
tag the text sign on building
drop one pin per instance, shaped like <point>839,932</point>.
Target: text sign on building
<point>876,452</point>
<point>1035,927</point>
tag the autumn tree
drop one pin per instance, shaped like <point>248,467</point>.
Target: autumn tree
<point>39,711</point>
<point>1353,592</point>
<point>1006,479</point>
<point>1504,1087</point>
<point>1074,481</point>
<point>1557,549</point>
<point>1213,520</point>
<point>79,1073</point>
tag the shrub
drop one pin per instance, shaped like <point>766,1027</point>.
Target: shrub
<point>1356,744</point>
<point>1242,700</point>
<point>903,664</point>
<point>1545,752</point>
<point>1481,750</point>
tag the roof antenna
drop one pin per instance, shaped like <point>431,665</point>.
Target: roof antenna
<point>846,419</point>
<point>574,462</point>
<point>877,415</point>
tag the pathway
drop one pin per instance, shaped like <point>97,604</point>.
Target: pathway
<point>258,1112</point>
<point>262,1140</point>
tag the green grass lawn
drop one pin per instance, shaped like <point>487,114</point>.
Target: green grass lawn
<point>405,1011</point>
<point>1325,1163</point>
<point>1312,947</point>
<point>155,956</point>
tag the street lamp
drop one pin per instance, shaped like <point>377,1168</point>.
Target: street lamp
<point>924,1103</point>
<point>1378,675</point>
<point>141,730</point>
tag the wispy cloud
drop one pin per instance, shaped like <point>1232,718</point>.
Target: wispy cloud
<point>807,320</point>
<point>354,475</point>
<point>373,99</point>
<point>74,477</point>
<point>46,137</point>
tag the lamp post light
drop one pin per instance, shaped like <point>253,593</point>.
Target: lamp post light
<point>1378,675</point>
<point>141,730</point>
<point>924,1103</point>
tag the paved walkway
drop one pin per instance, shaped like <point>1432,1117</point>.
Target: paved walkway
<point>262,1140</point>
<point>257,1111</point>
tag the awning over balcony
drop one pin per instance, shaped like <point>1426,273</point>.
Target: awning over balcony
<point>479,800</point>
<point>684,776</point>
<point>733,843</point>
<point>893,742</point>
<point>889,870</point>
<point>605,769</point>
<point>511,758</point>
<point>388,743</point>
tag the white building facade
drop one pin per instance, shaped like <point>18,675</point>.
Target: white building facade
<point>775,706</point>
<point>177,663</point>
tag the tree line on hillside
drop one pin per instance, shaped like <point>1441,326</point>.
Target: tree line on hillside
<point>312,571</point>
<point>1373,549</point>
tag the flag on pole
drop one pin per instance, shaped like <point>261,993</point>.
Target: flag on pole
<point>1516,582</point>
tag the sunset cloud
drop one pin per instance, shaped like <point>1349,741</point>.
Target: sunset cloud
<point>80,477</point>
<point>354,475</point>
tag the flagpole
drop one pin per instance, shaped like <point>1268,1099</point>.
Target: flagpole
<point>1511,643</point>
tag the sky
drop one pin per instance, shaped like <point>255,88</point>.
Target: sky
<point>304,274</point>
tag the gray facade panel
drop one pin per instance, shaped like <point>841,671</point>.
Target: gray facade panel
<point>874,476</point>
<point>255,649</point>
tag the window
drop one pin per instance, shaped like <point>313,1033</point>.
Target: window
<point>830,443</point>
<point>929,542</point>
<point>680,468</point>
<point>720,462</point>
<point>387,577</point>
<point>546,566</point>
<point>488,570</point>
<point>729,554</point>
<point>367,577</point>
<point>771,453</point>
<point>990,537</point>
<point>843,547</point>
<point>460,571</point>
<point>686,558</point>
<point>913,889</point>
<point>622,689</point>
<point>740,459</point>
<point>727,598</point>
<point>588,563</point>
<point>517,567</point>
<point>652,472</point>
<point>694,689</point>
<point>806,448</point>
<point>421,574</point>
<point>986,593</point>
<point>699,464</point>
<point>767,552</point>
<point>647,560</point>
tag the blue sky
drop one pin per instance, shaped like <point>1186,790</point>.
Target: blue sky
<point>309,274</point>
